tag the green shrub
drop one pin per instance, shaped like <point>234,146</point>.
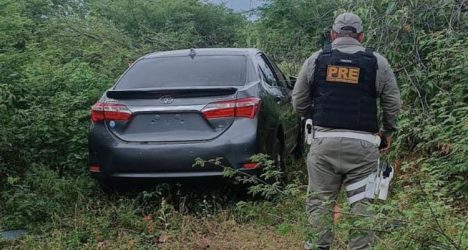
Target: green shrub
<point>41,196</point>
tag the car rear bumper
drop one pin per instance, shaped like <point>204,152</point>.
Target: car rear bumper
<point>120,159</point>
<point>165,175</point>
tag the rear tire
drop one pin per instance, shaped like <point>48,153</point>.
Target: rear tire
<point>299,148</point>
<point>107,187</point>
<point>278,157</point>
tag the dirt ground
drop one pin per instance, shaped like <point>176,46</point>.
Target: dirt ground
<point>230,235</point>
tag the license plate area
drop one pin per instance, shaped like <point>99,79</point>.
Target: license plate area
<point>168,120</point>
<point>168,127</point>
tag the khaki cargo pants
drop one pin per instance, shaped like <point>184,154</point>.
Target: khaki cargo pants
<point>334,163</point>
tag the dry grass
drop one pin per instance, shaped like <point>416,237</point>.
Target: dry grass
<point>225,233</point>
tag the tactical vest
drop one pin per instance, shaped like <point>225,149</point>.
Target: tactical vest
<point>344,92</point>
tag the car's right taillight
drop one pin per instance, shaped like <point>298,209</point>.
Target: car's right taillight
<point>243,107</point>
<point>102,111</point>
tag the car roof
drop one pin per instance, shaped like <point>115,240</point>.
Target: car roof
<point>204,52</point>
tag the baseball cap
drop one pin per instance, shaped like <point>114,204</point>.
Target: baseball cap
<point>347,20</point>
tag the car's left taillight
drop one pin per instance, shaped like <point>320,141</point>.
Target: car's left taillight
<point>102,111</point>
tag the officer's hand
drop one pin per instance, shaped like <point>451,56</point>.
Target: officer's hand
<point>388,143</point>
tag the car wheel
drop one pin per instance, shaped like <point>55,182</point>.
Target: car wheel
<point>298,150</point>
<point>278,155</point>
<point>107,186</point>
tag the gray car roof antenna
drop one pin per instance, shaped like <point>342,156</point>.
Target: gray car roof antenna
<point>192,53</point>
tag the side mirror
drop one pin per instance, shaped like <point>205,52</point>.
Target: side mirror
<point>292,82</point>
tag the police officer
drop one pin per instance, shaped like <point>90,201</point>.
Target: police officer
<point>338,87</point>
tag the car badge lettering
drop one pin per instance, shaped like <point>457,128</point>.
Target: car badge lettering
<point>166,99</point>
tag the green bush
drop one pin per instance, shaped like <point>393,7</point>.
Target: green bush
<point>41,196</point>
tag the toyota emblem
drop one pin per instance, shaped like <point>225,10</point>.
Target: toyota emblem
<point>166,99</point>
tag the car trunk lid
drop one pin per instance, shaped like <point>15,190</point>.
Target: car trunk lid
<point>169,115</point>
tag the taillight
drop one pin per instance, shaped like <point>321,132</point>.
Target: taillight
<point>95,168</point>
<point>219,109</point>
<point>109,112</point>
<point>244,107</point>
<point>247,107</point>
<point>250,165</point>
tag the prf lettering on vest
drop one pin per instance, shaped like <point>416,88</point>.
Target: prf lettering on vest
<point>343,74</point>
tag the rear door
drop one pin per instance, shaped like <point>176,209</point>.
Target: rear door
<point>282,95</point>
<point>178,98</point>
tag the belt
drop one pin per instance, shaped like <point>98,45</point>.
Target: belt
<point>374,139</point>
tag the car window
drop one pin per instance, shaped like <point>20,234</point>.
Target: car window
<point>266,71</point>
<point>183,71</point>
<point>279,74</point>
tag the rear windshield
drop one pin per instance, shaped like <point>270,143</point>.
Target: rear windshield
<point>184,71</point>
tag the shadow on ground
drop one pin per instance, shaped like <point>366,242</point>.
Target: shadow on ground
<point>192,194</point>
